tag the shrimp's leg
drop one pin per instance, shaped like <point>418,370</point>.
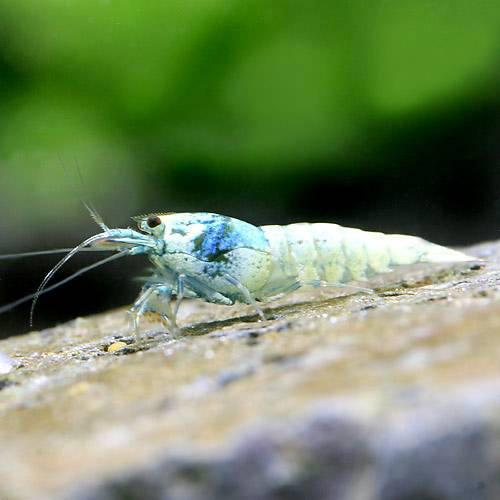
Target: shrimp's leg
<point>246,294</point>
<point>278,292</point>
<point>169,314</point>
<point>156,298</point>
<point>203,291</point>
<point>163,306</point>
<point>168,320</point>
<point>180,293</point>
<point>138,309</point>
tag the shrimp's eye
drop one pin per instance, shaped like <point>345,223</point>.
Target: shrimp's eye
<point>153,221</point>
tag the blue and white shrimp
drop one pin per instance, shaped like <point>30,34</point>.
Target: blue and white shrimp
<point>224,260</point>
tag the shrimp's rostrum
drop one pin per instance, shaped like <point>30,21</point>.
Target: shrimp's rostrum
<point>224,260</point>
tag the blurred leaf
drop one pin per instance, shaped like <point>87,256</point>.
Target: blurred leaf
<point>225,85</point>
<point>432,53</point>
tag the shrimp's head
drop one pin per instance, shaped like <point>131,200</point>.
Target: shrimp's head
<point>207,246</point>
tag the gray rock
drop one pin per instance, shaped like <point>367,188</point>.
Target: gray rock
<point>392,395</point>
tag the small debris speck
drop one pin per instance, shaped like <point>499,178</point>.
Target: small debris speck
<point>116,346</point>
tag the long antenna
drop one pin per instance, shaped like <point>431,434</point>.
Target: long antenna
<point>34,254</point>
<point>96,217</point>
<point>57,267</point>
<point>27,298</point>
<point>49,252</point>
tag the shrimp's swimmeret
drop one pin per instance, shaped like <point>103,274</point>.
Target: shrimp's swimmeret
<point>224,260</point>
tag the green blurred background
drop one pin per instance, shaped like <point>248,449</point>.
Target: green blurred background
<point>381,114</point>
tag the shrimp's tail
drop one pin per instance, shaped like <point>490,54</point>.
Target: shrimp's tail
<point>411,249</point>
<point>328,252</point>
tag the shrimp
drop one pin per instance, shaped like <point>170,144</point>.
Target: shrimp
<point>224,260</point>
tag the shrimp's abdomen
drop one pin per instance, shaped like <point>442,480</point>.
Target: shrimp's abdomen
<point>335,254</point>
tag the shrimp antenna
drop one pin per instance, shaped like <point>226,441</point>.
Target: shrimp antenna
<point>27,298</point>
<point>61,263</point>
<point>48,252</point>
<point>34,254</point>
<point>96,216</point>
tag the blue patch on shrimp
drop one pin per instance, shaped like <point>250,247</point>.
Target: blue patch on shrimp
<point>223,234</point>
